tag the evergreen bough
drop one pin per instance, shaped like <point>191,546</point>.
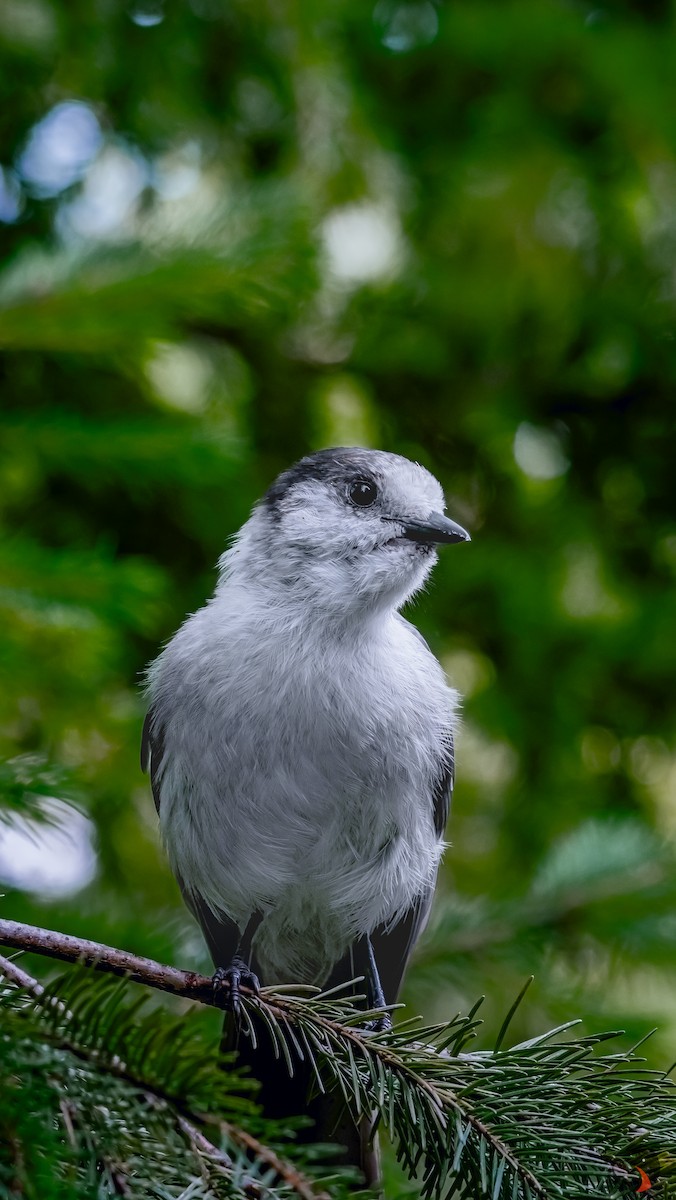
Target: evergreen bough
<point>104,1092</point>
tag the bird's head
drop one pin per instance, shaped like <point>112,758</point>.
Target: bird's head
<point>349,528</point>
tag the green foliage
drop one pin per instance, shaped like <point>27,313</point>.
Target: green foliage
<point>120,1097</point>
<point>444,229</point>
<point>24,781</point>
<point>550,1116</point>
<point>137,1096</point>
<point>233,269</point>
<point>607,890</point>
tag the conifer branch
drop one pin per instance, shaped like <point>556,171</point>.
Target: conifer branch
<point>188,1122</point>
<point>548,1117</point>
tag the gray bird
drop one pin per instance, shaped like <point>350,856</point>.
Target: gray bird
<point>300,737</point>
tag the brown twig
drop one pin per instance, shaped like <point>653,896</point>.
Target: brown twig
<point>107,958</point>
<point>21,978</point>
<point>285,1170</point>
<point>223,1163</point>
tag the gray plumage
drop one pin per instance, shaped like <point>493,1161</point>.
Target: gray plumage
<point>300,731</point>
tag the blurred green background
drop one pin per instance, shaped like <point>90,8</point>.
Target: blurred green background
<point>235,232</point>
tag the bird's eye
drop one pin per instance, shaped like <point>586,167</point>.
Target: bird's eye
<point>363,492</point>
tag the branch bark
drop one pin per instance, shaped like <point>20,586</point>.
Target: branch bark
<point>65,948</point>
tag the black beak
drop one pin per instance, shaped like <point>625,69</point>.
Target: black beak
<point>435,528</point>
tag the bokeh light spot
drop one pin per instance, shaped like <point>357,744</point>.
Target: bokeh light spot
<point>649,760</point>
<point>60,148</point>
<point>147,13</point>
<point>344,415</point>
<point>362,242</point>
<point>406,26</point>
<point>109,195</point>
<point>53,858</point>
<point>470,671</point>
<point>585,593</point>
<point>180,375</point>
<point>539,453</point>
<point>490,763</point>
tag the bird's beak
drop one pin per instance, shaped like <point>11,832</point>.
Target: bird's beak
<point>435,528</point>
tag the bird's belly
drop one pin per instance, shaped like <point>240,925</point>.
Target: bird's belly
<point>327,856</point>
<point>332,901</point>
<point>327,826</point>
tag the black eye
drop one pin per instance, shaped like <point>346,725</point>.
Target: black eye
<point>363,492</point>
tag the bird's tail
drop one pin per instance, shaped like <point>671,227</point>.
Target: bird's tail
<point>284,1095</point>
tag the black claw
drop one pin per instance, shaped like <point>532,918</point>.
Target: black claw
<point>381,1024</point>
<point>226,983</point>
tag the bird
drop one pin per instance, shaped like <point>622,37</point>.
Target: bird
<point>300,743</point>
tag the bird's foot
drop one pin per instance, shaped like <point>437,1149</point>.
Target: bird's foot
<point>381,1024</point>
<point>227,981</point>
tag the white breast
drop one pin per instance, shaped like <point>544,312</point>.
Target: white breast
<point>299,774</point>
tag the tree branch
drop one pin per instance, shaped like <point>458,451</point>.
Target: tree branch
<point>107,958</point>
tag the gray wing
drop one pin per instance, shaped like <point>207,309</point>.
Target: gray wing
<point>394,945</point>
<point>152,751</point>
<point>443,790</point>
<point>220,933</point>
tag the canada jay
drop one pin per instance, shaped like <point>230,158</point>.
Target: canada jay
<point>300,732</point>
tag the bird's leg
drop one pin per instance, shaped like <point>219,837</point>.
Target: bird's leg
<point>227,981</point>
<point>376,994</point>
